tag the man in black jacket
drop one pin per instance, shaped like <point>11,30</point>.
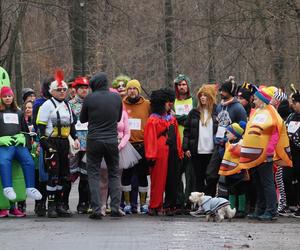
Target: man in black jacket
<point>102,110</point>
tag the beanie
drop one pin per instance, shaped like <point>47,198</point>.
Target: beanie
<point>295,93</point>
<point>245,93</point>
<point>280,95</point>
<point>237,129</point>
<point>264,94</point>
<point>229,86</point>
<point>5,91</point>
<point>182,77</point>
<point>27,92</point>
<point>134,84</point>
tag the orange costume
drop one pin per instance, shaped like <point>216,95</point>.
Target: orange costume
<point>256,138</point>
<point>230,162</point>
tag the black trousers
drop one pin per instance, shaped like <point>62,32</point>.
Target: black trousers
<point>200,162</point>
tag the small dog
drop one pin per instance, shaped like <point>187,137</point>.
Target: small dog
<point>218,208</point>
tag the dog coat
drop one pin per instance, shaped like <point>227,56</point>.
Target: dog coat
<point>211,205</point>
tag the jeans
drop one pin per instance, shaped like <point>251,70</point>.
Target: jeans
<point>22,155</point>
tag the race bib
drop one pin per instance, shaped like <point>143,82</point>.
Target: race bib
<point>10,118</point>
<point>183,109</point>
<point>135,124</point>
<point>260,118</point>
<point>81,126</point>
<point>293,127</point>
<point>221,132</point>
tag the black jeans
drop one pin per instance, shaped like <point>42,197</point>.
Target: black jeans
<point>200,162</point>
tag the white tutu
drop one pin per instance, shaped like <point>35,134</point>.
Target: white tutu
<point>128,157</point>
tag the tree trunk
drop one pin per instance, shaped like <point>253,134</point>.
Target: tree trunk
<point>211,42</point>
<point>18,71</point>
<point>77,20</point>
<point>168,17</point>
<point>98,28</point>
<point>14,36</point>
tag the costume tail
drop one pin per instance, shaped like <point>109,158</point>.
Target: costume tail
<point>230,212</point>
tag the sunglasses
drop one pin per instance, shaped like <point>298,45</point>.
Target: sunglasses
<point>61,89</point>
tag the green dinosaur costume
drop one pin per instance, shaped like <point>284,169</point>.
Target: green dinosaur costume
<point>17,173</point>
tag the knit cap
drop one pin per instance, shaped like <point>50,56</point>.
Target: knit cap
<point>237,129</point>
<point>5,91</point>
<point>265,94</point>
<point>245,93</point>
<point>280,95</point>
<point>229,86</point>
<point>134,84</point>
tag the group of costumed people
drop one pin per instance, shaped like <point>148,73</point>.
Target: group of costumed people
<point>243,139</point>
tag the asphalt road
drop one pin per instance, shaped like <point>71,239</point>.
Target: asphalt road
<point>144,232</point>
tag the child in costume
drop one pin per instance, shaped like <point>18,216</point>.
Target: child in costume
<point>12,146</point>
<point>162,150</point>
<point>235,178</point>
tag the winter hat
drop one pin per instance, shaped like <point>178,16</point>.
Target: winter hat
<point>5,91</point>
<point>245,93</point>
<point>295,93</point>
<point>80,81</point>
<point>237,129</point>
<point>134,84</point>
<point>27,92</point>
<point>229,86</point>
<point>59,81</point>
<point>280,95</point>
<point>120,79</point>
<point>209,90</point>
<point>182,77</point>
<point>265,94</point>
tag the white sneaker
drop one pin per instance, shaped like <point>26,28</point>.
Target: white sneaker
<point>33,193</point>
<point>103,210</point>
<point>9,193</point>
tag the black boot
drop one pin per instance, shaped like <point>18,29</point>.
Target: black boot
<point>40,209</point>
<point>83,208</point>
<point>62,211</point>
<point>52,209</point>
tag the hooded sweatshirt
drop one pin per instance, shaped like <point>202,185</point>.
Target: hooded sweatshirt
<point>102,110</point>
